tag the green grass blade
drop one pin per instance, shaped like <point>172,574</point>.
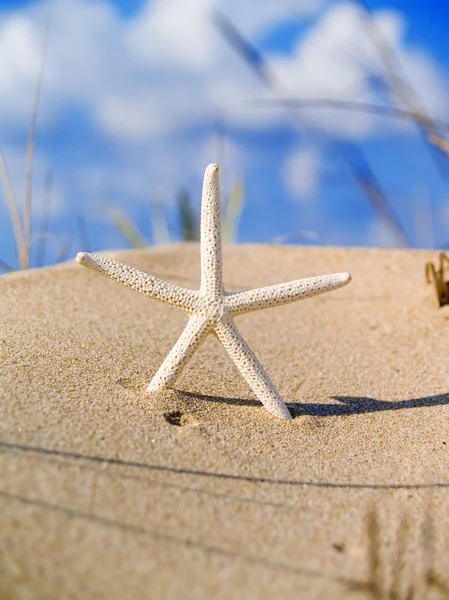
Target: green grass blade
<point>189,224</point>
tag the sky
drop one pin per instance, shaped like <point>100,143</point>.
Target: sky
<point>138,96</point>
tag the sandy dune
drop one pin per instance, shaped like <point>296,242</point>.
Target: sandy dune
<point>199,492</point>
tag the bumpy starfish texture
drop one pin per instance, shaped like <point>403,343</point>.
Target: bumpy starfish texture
<point>211,309</point>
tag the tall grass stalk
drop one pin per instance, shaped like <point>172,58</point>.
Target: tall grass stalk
<point>234,208</point>
<point>126,227</point>
<point>45,218</point>
<point>5,267</point>
<point>30,151</point>
<point>291,235</point>
<point>410,579</point>
<point>22,233</point>
<point>13,208</point>
<point>348,105</point>
<point>261,67</point>
<point>373,190</point>
<point>159,225</point>
<point>82,232</point>
<point>402,90</point>
<point>65,247</point>
<point>190,230</point>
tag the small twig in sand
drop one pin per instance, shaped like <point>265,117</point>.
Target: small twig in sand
<point>441,284</point>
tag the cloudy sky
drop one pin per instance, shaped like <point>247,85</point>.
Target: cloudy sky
<point>139,96</point>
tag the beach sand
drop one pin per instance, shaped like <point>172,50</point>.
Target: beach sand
<point>199,492</point>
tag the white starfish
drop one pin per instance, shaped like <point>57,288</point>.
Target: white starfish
<point>211,309</point>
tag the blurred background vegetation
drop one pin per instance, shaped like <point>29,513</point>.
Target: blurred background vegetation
<point>328,122</point>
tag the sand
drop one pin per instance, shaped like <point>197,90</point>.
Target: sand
<point>199,492</point>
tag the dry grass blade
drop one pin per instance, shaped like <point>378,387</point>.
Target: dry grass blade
<point>13,207</point>
<point>220,143</point>
<point>45,220</point>
<point>423,219</point>
<point>38,237</point>
<point>434,580</point>
<point>261,67</point>
<point>346,105</point>
<point>30,151</point>
<point>437,275</point>
<point>439,142</point>
<point>398,580</point>
<point>127,228</point>
<point>428,578</point>
<point>410,580</point>
<point>159,226</point>
<point>431,578</point>
<point>299,233</point>
<point>82,232</point>
<point>5,267</point>
<point>396,78</point>
<point>234,208</point>
<point>373,191</point>
<point>65,248</point>
<point>399,84</point>
<point>375,586</point>
<point>246,50</point>
<point>236,200</point>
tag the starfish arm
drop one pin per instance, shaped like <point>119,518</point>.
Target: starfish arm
<point>283,293</point>
<point>196,330</point>
<point>211,255</point>
<point>141,282</point>
<point>251,369</point>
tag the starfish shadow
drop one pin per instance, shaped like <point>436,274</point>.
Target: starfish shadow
<point>219,399</point>
<point>355,405</point>
<point>348,405</point>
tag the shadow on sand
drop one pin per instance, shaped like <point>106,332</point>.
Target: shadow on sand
<point>347,405</point>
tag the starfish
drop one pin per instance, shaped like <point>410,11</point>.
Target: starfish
<point>211,309</point>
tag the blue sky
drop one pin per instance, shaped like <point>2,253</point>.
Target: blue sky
<point>133,90</point>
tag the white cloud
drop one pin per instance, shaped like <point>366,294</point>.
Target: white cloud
<point>431,85</point>
<point>18,67</point>
<point>337,60</point>
<point>174,34</point>
<point>301,172</point>
<point>169,69</point>
<point>304,8</point>
<point>379,234</point>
